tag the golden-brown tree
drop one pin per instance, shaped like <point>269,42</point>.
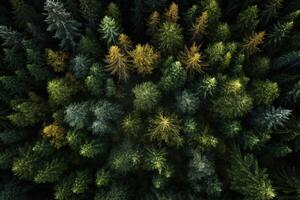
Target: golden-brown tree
<point>124,42</point>
<point>171,13</point>
<point>199,27</point>
<point>153,21</point>
<point>144,58</point>
<point>117,63</point>
<point>56,134</point>
<point>192,58</point>
<point>251,44</point>
<point>56,59</point>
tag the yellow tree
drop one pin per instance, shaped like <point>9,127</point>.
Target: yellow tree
<point>153,21</point>
<point>192,58</point>
<point>56,134</point>
<point>251,44</point>
<point>57,60</point>
<point>144,58</point>
<point>117,63</point>
<point>171,13</point>
<point>200,25</point>
<point>124,42</point>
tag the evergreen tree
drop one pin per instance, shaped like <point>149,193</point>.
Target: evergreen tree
<point>171,13</point>
<point>199,27</point>
<point>169,38</point>
<point>81,65</point>
<point>144,58</point>
<point>62,90</point>
<point>103,178</point>
<point>109,30</point>
<point>265,92</point>
<point>251,44</point>
<point>132,124</point>
<point>187,102</point>
<point>10,37</point>
<point>95,81</point>
<point>82,181</point>
<point>56,59</point>
<point>117,63</point>
<point>248,178</point>
<point>77,115</point>
<point>90,10</point>
<point>146,95</point>
<point>174,76</point>
<point>248,20</point>
<point>91,149</point>
<point>279,32</point>
<point>166,128</point>
<point>192,58</point>
<point>60,21</point>
<point>51,171</point>
<point>56,134</point>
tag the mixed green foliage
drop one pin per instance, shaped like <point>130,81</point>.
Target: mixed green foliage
<point>149,99</point>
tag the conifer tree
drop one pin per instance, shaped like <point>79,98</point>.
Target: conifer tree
<point>109,30</point>
<point>251,44</point>
<point>76,115</point>
<point>171,13</point>
<point>146,95</point>
<point>199,27</point>
<point>90,10</point>
<point>187,102</point>
<point>144,58</point>
<point>248,178</point>
<point>10,37</point>
<point>103,178</point>
<point>132,124</point>
<point>271,9</point>
<point>153,22</point>
<point>56,134</point>
<point>265,92</point>
<point>61,90</point>
<point>91,149</point>
<point>279,32</point>
<point>124,42</point>
<point>248,20</point>
<point>60,21</point>
<point>95,81</point>
<point>169,38</point>
<point>81,65</point>
<point>192,58</point>
<point>56,59</point>
<point>51,171</point>
<point>166,128</point>
<point>117,63</point>
<point>174,76</point>
<point>81,182</point>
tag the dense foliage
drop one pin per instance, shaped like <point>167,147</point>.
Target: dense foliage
<point>150,99</point>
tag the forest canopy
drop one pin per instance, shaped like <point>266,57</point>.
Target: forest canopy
<point>150,99</point>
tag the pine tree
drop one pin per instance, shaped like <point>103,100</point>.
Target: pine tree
<point>169,38</point>
<point>27,112</point>
<point>132,124</point>
<point>103,178</point>
<point>251,44</point>
<point>206,87</point>
<point>117,63</point>
<point>273,118</point>
<point>125,158</point>
<point>81,65</point>
<point>153,22</point>
<point>192,58</point>
<point>90,10</point>
<point>294,94</point>
<point>248,20</point>
<point>56,59</point>
<point>171,13</point>
<point>265,92</point>
<point>95,81</point>
<point>248,178</point>
<point>147,96</point>
<point>166,128</point>
<point>279,32</point>
<point>56,134</point>
<point>51,171</point>
<point>144,58</point>
<point>156,160</point>
<point>187,102</point>
<point>199,27</point>
<point>174,76</point>
<point>106,114</point>
<point>91,149</point>
<point>288,183</point>
<point>222,33</point>
<point>81,182</point>
<point>125,43</point>
<point>109,30</point>
<point>271,9</point>
<point>77,115</point>
<point>23,12</point>
<point>60,21</point>
<point>10,37</point>
<point>113,11</point>
<point>62,90</point>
